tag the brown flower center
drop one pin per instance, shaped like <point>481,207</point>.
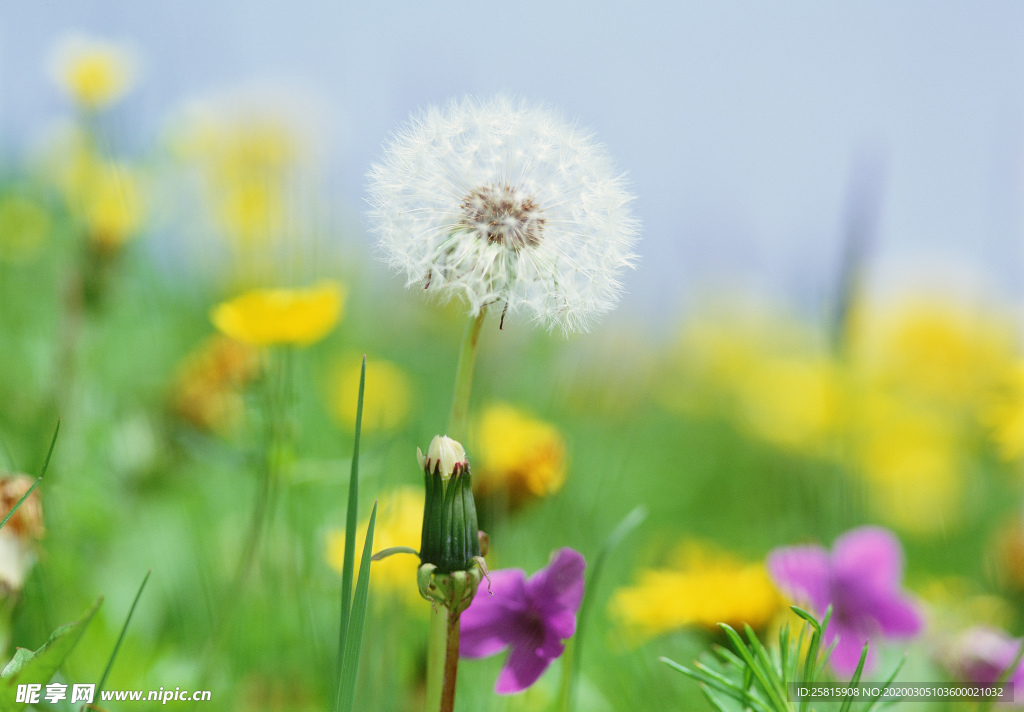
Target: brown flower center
<point>499,214</point>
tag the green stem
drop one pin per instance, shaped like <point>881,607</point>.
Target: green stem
<point>464,377</point>
<point>441,629</point>
<point>437,647</point>
<point>451,663</point>
<point>276,437</point>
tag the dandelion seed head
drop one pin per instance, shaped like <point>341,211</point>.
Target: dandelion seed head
<point>501,202</point>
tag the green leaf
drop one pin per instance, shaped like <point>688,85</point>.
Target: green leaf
<point>350,665</point>
<point>120,638</point>
<point>877,698</point>
<point>771,671</point>
<point>575,647</point>
<point>351,519</point>
<point>856,678</point>
<point>760,673</point>
<point>718,683</point>
<point>39,479</point>
<point>38,667</point>
<point>392,550</point>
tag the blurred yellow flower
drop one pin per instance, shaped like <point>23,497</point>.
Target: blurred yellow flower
<point>265,317</point>
<point>1006,416</point>
<point>386,400</point>
<point>113,206</point>
<point>950,354</point>
<point>247,159</point>
<point>705,587</point>
<point>207,388</point>
<point>399,523</point>
<point>24,225</point>
<point>791,402</point>
<point>92,72</point>
<point>909,456</point>
<point>764,371</point>
<point>517,456</point>
<point>105,196</point>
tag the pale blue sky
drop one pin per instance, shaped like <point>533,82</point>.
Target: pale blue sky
<point>740,124</point>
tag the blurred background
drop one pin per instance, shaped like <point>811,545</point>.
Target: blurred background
<point>823,332</point>
<point>748,132</point>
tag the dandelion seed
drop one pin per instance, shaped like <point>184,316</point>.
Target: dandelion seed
<point>497,201</point>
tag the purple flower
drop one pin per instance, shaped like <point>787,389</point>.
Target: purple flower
<point>531,616</point>
<point>981,655</point>
<point>861,580</point>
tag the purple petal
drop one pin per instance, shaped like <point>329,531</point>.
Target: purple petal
<point>558,586</point>
<point>802,572</point>
<point>492,621</point>
<point>872,556</point>
<point>898,616</point>
<point>847,652</point>
<point>982,654</point>
<point>561,624</point>
<point>525,664</point>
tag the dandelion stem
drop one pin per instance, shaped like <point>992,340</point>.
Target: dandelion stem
<point>451,663</point>
<point>441,682</point>
<point>464,377</point>
<point>437,651</point>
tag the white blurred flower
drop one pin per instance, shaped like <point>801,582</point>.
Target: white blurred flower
<point>501,202</point>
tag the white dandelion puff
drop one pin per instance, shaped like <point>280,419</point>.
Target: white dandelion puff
<point>499,202</point>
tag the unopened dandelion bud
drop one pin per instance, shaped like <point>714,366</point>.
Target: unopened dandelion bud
<point>450,539</point>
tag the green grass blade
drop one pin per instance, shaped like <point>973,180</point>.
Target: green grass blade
<point>630,522</point>
<point>120,638</point>
<point>794,661</point>
<point>856,678</point>
<point>771,671</point>
<point>350,665</point>
<point>727,656</point>
<point>718,683</point>
<point>810,667</point>
<point>784,652</point>
<point>714,701</point>
<point>351,519</point>
<point>760,674</point>
<point>39,479</point>
<point>877,698</point>
<point>741,693</point>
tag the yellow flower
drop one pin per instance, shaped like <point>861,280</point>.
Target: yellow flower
<point>909,456</point>
<point>105,196</point>
<point>399,523</point>
<point>92,72</point>
<point>247,158</point>
<point>705,588</point>
<point>207,387</point>
<point>24,225</point>
<point>386,400</point>
<point>932,349</point>
<point>1006,417</point>
<point>762,370</point>
<point>795,403</point>
<point>264,317</point>
<point>113,206</point>
<point>517,455</point>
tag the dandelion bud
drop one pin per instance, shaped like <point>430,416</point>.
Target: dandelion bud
<point>451,564</point>
<point>444,455</point>
<point>450,540</point>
